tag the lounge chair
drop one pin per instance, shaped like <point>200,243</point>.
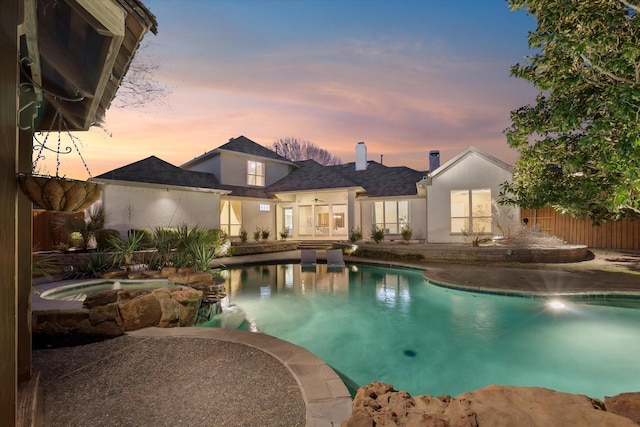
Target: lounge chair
<point>335,260</point>
<point>308,259</point>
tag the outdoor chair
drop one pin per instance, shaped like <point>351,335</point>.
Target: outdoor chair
<point>308,259</point>
<point>335,260</point>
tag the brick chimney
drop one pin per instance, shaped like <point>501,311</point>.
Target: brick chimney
<point>434,160</point>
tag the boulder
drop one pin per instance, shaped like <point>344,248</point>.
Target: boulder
<point>170,317</point>
<point>105,313</point>
<point>100,298</point>
<point>168,271</point>
<point>492,406</point>
<point>140,312</point>
<point>189,300</point>
<point>625,404</point>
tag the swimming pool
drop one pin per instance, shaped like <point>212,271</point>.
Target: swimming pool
<point>388,324</point>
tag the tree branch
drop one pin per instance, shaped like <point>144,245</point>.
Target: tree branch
<point>631,6</point>
<point>608,73</point>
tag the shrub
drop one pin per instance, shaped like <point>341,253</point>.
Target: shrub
<point>76,240</point>
<point>284,234</point>
<point>257,234</point>
<point>95,264</point>
<point>103,236</point>
<point>377,234</point>
<point>355,235</point>
<point>243,236</point>
<point>146,237</point>
<point>265,233</point>
<point>406,232</point>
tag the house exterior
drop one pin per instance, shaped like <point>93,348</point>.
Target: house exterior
<point>242,185</point>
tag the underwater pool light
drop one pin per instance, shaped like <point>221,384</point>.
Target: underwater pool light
<point>556,304</point>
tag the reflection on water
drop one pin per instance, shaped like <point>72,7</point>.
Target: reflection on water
<point>391,289</point>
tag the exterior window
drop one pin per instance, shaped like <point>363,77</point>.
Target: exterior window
<point>471,211</point>
<point>231,217</point>
<point>265,207</point>
<point>255,173</point>
<point>391,215</point>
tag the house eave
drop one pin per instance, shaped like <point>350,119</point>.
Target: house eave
<point>158,186</point>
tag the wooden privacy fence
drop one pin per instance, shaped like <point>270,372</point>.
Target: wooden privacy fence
<point>623,234</point>
<point>45,235</point>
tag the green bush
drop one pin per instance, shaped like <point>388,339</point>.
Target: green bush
<point>146,239</point>
<point>103,236</point>
<point>407,232</point>
<point>355,235</point>
<point>76,240</point>
<point>265,233</point>
<point>377,234</point>
<point>95,264</point>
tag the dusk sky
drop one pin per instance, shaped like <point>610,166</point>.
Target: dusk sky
<point>404,76</point>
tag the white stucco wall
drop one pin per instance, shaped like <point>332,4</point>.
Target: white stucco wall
<point>472,171</point>
<point>143,207</point>
<point>230,168</point>
<point>417,221</point>
<point>253,217</point>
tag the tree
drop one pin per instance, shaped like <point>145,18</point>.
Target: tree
<point>139,86</point>
<point>580,144</point>
<point>296,149</point>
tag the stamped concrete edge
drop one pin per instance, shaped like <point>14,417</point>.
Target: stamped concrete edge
<point>327,399</point>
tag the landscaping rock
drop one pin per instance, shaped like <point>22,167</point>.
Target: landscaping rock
<point>140,312</point>
<point>105,313</point>
<point>625,404</point>
<point>100,298</point>
<point>170,317</point>
<point>168,271</point>
<point>492,406</point>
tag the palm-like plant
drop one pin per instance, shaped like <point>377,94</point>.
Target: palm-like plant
<point>124,249</point>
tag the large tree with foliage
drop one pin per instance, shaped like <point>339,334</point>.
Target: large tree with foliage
<point>298,149</point>
<point>580,144</point>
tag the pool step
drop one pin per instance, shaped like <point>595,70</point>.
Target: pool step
<point>321,246</point>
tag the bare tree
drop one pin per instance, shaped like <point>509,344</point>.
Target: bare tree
<point>139,87</point>
<point>298,149</point>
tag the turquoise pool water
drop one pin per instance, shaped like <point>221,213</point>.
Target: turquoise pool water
<point>386,324</point>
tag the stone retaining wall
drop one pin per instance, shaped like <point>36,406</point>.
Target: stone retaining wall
<point>467,253</point>
<point>193,299</point>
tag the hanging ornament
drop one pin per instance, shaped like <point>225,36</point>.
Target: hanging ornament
<point>55,193</point>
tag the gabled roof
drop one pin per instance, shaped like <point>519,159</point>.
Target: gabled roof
<point>310,175</point>
<point>377,180</point>
<point>468,151</point>
<point>380,181</point>
<point>153,170</point>
<point>241,145</point>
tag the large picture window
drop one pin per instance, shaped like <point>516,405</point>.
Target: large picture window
<point>391,215</point>
<point>255,173</point>
<point>471,211</point>
<point>231,217</point>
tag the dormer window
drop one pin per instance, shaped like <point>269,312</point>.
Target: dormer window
<point>255,173</point>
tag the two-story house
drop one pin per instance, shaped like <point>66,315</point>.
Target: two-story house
<point>242,185</point>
